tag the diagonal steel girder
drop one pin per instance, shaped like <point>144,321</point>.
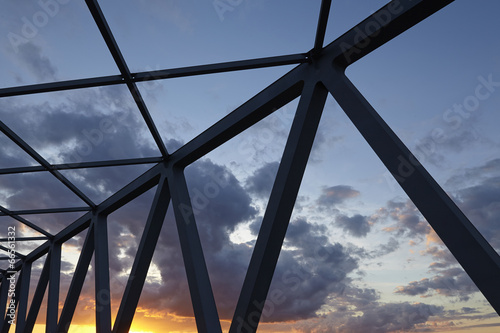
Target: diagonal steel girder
<point>106,33</point>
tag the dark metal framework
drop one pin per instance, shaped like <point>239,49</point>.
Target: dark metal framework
<point>318,72</point>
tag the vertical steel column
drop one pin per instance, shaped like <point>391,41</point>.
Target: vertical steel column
<point>472,251</point>
<point>22,299</point>
<point>77,282</point>
<point>205,310</point>
<point>36,302</point>
<point>53,297</point>
<point>4,289</point>
<point>143,258</point>
<point>101,259</point>
<point>321,28</point>
<point>279,209</point>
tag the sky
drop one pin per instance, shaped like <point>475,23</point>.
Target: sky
<point>358,256</point>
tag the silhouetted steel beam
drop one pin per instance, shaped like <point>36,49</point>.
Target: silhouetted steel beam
<point>111,163</point>
<point>37,299</point>
<point>279,209</point>
<point>324,12</point>
<point>237,65</point>
<point>22,298</point>
<point>202,298</point>
<point>7,319</point>
<point>33,226</point>
<point>17,254</point>
<point>77,281</point>
<point>17,170</point>
<point>54,281</point>
<point>468,246</point>
<point>101,263</point>
<point>37,157</point>
<point>222,67</point>
<point>47,211</point>
<point>113,48</point>
<point>143,258</point>
<point>61,86</point>
<point>83,165</point>
<point>24,239</point>
<point>4,291</point>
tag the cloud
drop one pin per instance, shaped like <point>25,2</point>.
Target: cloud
<point>451,282</point>
<point>335,195</point>
<point>91,124</point>
<point>31,57</point>
<point>262,180</point>
<point>408,219</point>
<point>481,204</point>
<point>391,317</point>
<point>374,317</point>
<point>357,225</point>
<point>309,273</point>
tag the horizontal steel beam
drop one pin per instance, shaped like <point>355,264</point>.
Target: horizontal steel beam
<point>222,67</point>
<point>155,75</point>
<point>83,165</point>
<point>24,239</point>
<point>47,211</point>
<point>61,86</point>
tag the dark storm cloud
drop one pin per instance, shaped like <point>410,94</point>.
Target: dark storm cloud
<point>262,180</point>
<point>80,128</point>
<point>481,204</point>
<point>92,124</point>
<point>452,282</point>
<point>335,195</point>
<point>380,251</point>
<point>372,316</point>
<point>391,317</point>
<point>480,173</point>
<point>31,57</point>
<point>307,274</point>
<point>357,225</point>
<point>36,190</point>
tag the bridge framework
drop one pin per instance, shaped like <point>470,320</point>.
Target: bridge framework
<point>319,72</point>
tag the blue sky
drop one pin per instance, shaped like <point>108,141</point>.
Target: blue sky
<point>437,86</point>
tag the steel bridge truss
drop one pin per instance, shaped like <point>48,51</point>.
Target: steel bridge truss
<point>318,73</point>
